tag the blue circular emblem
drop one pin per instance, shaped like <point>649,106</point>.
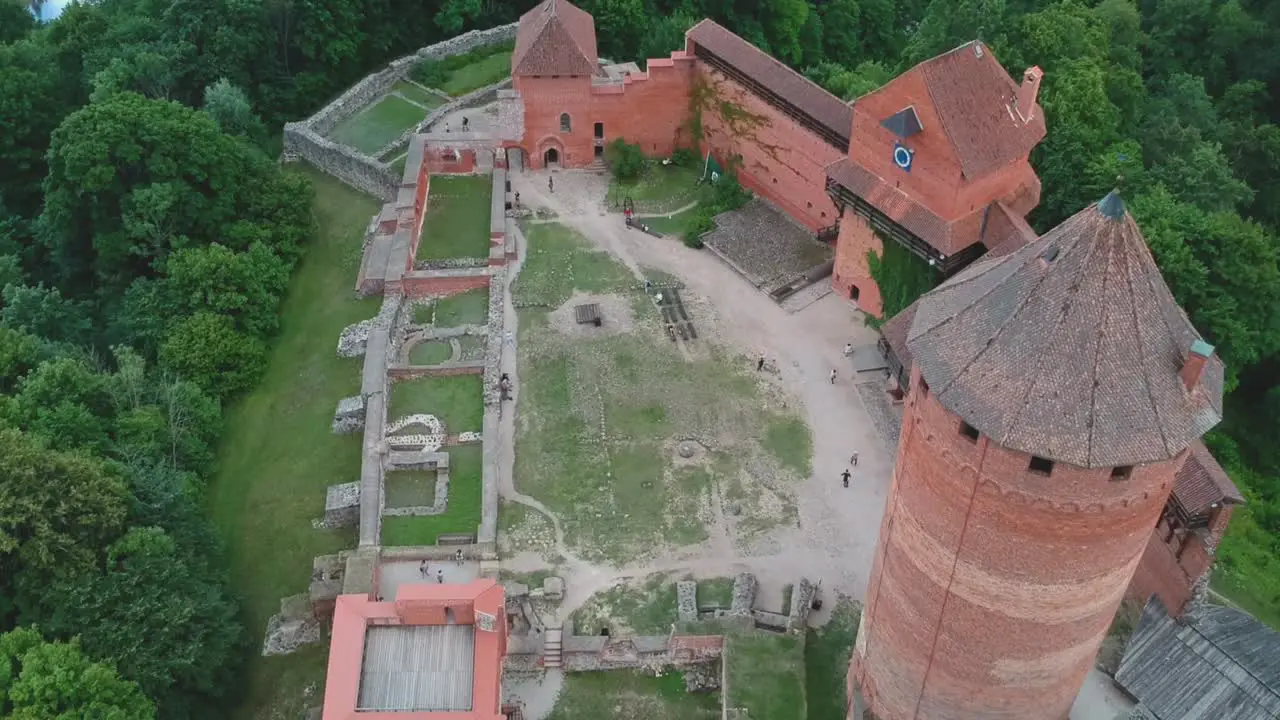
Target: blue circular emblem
<point>902,157</point>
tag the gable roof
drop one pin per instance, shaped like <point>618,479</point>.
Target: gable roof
<point>828,110</point>
<point>1201,483</point>
<point>974,96</point>
<point>555,38</point>
<point>1222,663</point>
<point>1069,348</point>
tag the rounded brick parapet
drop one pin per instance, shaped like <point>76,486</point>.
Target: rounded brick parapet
<point>993,585</point>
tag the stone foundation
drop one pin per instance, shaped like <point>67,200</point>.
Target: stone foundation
<point>342,505</point>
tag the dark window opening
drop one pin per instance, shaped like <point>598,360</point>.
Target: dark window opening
<point>599,151</point>
<point>809,204</point>
<point>853,292</point>
<point>969,431</point>
<point>1040,466</point>
<point>599,129</point>
<point>1121,472</point>
<point>565,123</point>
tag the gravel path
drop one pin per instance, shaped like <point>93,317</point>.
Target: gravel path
<point>838,527</point>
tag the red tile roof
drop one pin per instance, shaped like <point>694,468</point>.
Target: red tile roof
<point>1201,482</point>
<point>948,238</point>
<point>789,85</point>
<point>974,98</point>
<point>555,38</point>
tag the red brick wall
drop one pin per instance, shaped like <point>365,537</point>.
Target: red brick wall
<point>855,241</point>
<point>993,587</point>
<point>651,109</point>
<point>781,160</point>
<point>1164,574</point>
<point>420,284</point>
<point>439,161</point>
<point>935,179</point>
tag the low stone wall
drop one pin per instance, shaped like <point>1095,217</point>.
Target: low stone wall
<point>409,372</point>
<point>475,98</point>
<point>378,83</point>
<point>350,166</point>
<point>422,283</point>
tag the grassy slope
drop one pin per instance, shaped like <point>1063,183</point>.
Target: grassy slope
<point>826,659</point>
<point>485,71</point>
<point>278,455</point>
<point>632,695</point>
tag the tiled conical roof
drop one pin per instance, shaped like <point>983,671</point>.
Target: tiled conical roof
<point>1069,348</point>
<point>555,38</point>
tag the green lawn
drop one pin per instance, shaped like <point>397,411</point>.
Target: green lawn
<point>411,488</point>
<point>468,308</point>
<point>826,660</point>
<point>597,415</point>
<point>432,352</point>
<point>428,100</point>
<point>478,74</point>
<point>676,224</point>
<point>278,455</point>
<point>661,189</point>
<point>457,220</point>
<point>463,512</point>
<point>766,674</point>
<point>632,695</point>
<point>789,440</point>
<point>458,400</point>
<point>647,608</point>
<point>715,591</point>
<point>373,127</point>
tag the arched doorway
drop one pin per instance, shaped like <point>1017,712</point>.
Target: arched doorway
<point>551,157</point>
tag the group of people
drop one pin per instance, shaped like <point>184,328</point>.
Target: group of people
<point>844,476</point>
<point>425,570</point>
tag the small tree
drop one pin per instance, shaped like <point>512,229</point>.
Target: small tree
<point>626,161</point>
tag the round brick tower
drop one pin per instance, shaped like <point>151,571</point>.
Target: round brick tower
<point>1054,392</point>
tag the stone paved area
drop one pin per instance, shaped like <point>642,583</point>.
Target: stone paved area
<point>765,245</point>
<point>393,574</point>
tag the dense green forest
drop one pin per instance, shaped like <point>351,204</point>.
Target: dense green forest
<point>147,237</point>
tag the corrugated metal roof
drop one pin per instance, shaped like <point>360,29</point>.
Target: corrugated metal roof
<point>417,668</point>
<point>1220,665</point>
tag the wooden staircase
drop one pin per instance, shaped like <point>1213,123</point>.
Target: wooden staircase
<point>553,648</point>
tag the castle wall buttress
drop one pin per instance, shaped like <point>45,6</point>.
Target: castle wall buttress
<point>781,160</point>
<point>851,270</point>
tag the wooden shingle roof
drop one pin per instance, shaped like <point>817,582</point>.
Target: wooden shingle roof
<point>1069,348</point>
<point>1201,483</point>
<point>1220,664</point>
<point>555,38</point>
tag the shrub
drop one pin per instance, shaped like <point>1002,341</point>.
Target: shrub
<point>684,157</point>
<point>626,161</point>
<point>728,195</point>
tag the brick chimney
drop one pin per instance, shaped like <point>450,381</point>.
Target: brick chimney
<point>1025,101</point>
<point>1193,366</point>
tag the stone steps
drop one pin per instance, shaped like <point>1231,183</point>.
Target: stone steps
<point>553,648</point>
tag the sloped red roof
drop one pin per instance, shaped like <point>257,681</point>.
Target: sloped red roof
<point>555,38</point>
<point>1201,482</point>
<point>789,85</point>
<point>948,238</point>
<point>974,98</point>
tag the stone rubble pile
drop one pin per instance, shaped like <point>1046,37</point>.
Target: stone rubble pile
<point>349,417</point>
<point>687,600</point>
<point>744,594</point>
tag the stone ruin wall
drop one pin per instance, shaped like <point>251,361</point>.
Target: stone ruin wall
<point>305,140</point>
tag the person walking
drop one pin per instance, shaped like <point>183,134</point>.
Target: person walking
<point>854,458</point>
<point>760,364</point>
<point>844,477</point>
<point>551,184</point>
<point>848,349</point>
<point>833,376</point>
<point>422,569</point>
<point>517,200</point>
<point>440,577</point>
<point>457,557</point>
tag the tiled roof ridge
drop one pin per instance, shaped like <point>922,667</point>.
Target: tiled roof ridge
<point>928,86</point>
<point>775,61</point>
